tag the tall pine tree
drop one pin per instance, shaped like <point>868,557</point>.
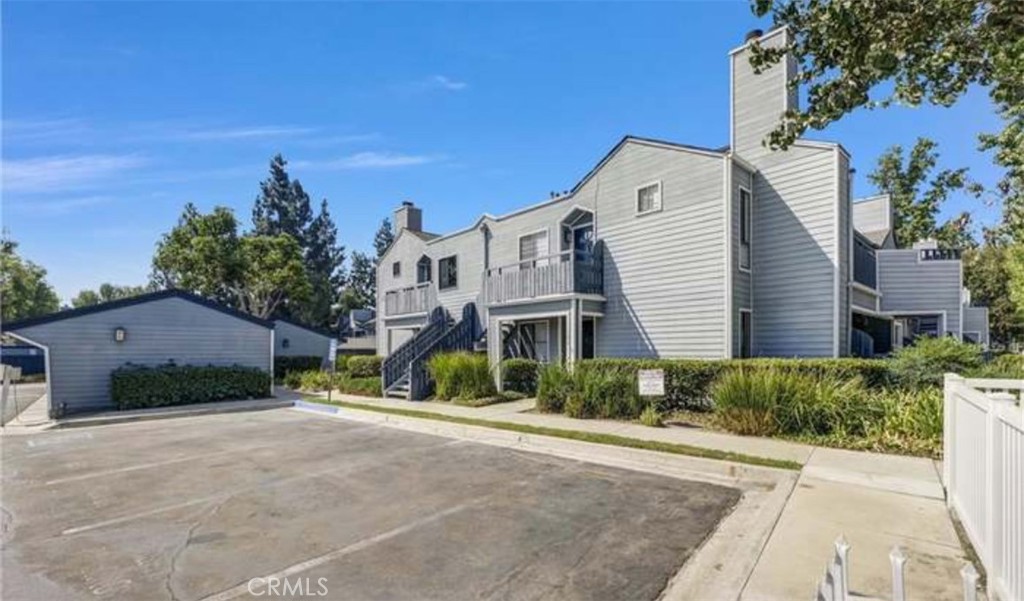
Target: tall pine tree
<point>383,238</point>
<point>283,207</point>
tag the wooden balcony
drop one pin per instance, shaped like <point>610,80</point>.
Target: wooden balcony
<point>563,273</point>
<point>410,300</point>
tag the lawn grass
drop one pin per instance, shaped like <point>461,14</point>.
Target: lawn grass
<point>592,437</point>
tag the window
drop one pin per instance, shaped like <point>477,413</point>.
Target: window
<point>447,273</point>
<point>746,223</point>
<point>648,198</point>
<point>531,247</point>
<point>423,270</point>
<point>746,333</point>
<point>396,268</point>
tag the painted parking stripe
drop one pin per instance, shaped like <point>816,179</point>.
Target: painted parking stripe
<point>243,589</point>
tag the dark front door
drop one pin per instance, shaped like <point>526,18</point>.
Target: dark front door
<point>583,242</point>
<point>588,342</point>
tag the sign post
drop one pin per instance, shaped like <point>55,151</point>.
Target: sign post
<point>332,356</point>
<point>651,382</point>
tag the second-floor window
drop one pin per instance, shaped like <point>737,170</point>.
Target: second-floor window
<point>423,270</point>
<point>531,247</point>
<point>648,198</point>
<point>396,269</point>
<point>447,273</point>
<point>746,227</point>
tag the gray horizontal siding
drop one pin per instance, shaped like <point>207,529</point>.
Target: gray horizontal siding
<point>758,100</point>
<point>664,273</point>
<point>976,320</point>
<point>912,286</point>
<point>300,341</point>
<point>845,226</point>
<point>863,300</point>
<point>83,351</point>
<point>795,257</point>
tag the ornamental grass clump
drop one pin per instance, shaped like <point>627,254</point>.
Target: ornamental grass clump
<point>461,375</point>
<point>553,385</point>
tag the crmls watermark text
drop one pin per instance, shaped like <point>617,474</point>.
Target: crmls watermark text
<point>287,587</point>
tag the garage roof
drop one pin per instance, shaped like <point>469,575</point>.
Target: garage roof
<point>135,300</point>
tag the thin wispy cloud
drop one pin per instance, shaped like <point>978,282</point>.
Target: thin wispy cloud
<point>369,160</point>
<point>242,133</point>
<point>60,206</point>
<point>43,130</point>
<point>60,173</point>
<point>446,83</point>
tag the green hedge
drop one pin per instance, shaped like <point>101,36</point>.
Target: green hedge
<point>138,386</point>
<point>688,381</point>
<point>461,375</point>
<point>317,380</point>
<point>364,366</point>
<point>283,365</point>
<point>520,375</point>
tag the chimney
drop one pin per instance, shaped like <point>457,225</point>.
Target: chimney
<point>758,99</point>
<point>408,217</point>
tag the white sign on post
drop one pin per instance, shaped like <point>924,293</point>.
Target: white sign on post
<point>332,354</point>
<point>651,382</point>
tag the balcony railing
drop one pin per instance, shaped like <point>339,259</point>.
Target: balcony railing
<point>939,254</point>
<point>562,273</point>
<point>420,298</point>
<point>864,265</point>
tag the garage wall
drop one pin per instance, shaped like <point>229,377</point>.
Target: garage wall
<point>300,341</point>
<point>83,351</point>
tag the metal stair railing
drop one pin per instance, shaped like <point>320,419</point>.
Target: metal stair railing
<point>396,365</point>
<point>459,337</point>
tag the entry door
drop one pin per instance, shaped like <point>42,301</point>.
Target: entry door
<point>588,343</point>
<point>583,241</point>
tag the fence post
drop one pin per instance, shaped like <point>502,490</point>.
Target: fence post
<point>970,579</point>
<point>950,383</point>
<point>843,561</point>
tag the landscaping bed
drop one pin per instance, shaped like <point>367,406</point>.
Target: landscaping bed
<point>356,375</point>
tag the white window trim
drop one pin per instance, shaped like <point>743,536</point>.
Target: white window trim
<point>547,243</point>
<point>750,226</point>
<point>740,325</point>
<point>447,288</point>
<point>660,203</point>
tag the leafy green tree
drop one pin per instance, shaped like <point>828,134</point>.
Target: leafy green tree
<point>109,292</point>
<point>324,260</point>
<point>272,273</point>
<point>362,283</point>
<point>383,238</point>
<point>24,291</point>
<point>987,276</point>
<point>918,195</point>
<point>201,254</point>
<point>908,52</point>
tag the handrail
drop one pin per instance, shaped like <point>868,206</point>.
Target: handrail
<point>459,337</point>
<point>397,363</point>
<point>569,271</point>
<point>405,300</point>
<point>530,263</point>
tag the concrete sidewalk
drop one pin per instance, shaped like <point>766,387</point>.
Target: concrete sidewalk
<point>876,501</point>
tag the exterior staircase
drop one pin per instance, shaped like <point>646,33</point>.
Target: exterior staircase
<point>404,372</point>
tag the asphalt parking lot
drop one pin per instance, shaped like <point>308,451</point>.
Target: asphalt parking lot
<point>195,508</point>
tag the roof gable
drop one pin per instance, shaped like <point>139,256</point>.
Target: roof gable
<point>302,326</point>
<point>132,301</point>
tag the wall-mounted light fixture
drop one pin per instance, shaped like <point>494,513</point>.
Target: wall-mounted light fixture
<point>120,334</point>
<point>285,343</point>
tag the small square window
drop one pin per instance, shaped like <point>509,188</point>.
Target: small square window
<point>648,198</point>
<point>396,269</point>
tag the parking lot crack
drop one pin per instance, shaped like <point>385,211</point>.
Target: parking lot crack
<point>176,555</point>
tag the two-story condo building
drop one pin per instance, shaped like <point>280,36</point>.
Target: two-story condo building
<point>673,250</point>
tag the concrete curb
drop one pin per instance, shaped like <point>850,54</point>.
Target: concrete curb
<point>169,413</point>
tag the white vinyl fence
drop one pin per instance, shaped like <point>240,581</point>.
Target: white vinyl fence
<point>983,472</point>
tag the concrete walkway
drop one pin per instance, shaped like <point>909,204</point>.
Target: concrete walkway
<point>876,501</point>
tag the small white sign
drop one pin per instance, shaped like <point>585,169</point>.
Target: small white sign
<point>332,354</point>
<point>651,382</point>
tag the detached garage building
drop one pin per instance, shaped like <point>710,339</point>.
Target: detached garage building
<point>82,346</point>
<point>293,339</point>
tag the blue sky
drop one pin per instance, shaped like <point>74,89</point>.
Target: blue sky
<point>116,114</point>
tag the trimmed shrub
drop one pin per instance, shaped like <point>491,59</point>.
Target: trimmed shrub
<point>1008,366</point>
<point>364,366</point>
<point>553,386</point>
<point>924,363</point>
<point>688,382</point>
<point>461,375</point>
<point>520,375</point>
<point>284,365</point>
<point>341,362</point>
<point>911,422</point>
<point>139,386</point>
